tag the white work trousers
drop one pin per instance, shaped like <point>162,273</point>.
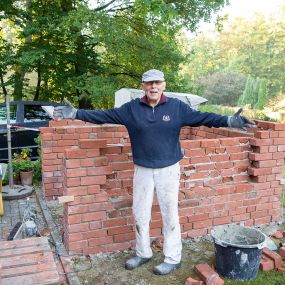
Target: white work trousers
<point>166,183</point>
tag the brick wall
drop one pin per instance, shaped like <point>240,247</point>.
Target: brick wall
<point>226,176</point>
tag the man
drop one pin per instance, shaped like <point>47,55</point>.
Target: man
<point>154,124</point>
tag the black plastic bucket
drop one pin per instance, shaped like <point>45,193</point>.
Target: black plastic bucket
<point>238,251</point>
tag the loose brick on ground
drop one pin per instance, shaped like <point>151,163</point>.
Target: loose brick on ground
<point>282,252</point>
<point>274,256</point>
<point>266,264</point>
<point>208,274</point>
<point>191,281</point>
<point>278,235</point>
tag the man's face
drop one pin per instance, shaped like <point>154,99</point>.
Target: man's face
<point>153,90</point>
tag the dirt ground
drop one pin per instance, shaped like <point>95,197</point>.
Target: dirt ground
<point>109,268</point>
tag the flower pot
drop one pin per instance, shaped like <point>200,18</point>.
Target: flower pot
<point>27,177</point>
<point>17,179</point>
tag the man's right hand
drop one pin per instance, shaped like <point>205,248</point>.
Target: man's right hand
<point>64,112</point>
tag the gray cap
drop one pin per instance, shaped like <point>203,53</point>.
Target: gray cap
<point>153,75</point>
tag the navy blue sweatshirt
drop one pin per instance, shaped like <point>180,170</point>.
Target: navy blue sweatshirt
<point>154,131</point>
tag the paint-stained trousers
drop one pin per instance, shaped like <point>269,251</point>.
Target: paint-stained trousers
<point>165,181</point>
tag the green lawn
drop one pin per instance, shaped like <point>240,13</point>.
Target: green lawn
<point>263,278</point>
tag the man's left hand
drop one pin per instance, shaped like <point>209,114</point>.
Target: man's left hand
<point>240,122</point>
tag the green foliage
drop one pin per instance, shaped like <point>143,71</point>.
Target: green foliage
<point>222,110</point>
<point>37,177</point>
<point>252,47</point>
<point>71,49</point>
<point>262,95</point>
<point>250,93</point>
<point>25,165</point>
<point>223,87</point>
<point>21,161</point>
<point>228,111</point>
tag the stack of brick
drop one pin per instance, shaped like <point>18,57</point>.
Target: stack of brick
<point>223,180</point>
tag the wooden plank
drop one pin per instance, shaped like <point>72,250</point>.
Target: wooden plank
<point>65,199</point>
<point>41,278</point>
<point>23,242</point>
<point>28,259</point>
<point>7,253</point>
<point>28,269</point>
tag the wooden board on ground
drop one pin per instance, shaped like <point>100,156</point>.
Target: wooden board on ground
<point>27,261</point>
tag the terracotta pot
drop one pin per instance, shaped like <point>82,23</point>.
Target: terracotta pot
<point>17,179</point>
<point>27,177</point>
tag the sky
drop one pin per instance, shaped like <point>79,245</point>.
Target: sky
<point>246,9</point>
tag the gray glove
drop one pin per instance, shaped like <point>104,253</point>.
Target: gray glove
<point>64,112</point>
<point>240,122</point>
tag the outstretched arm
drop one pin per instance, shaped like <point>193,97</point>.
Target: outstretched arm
<point>112,116</point>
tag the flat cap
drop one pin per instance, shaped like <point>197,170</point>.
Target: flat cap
<point>153,75</point>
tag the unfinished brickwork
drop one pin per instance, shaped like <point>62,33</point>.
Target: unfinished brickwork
<point>226,176</point>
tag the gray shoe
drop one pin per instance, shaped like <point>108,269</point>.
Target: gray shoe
<point>135,262</point>
<point>165,268</point>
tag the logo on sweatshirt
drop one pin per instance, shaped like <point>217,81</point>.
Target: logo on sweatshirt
<point>166,118</point>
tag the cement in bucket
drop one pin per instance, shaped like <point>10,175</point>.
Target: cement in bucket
<point>238,251</point>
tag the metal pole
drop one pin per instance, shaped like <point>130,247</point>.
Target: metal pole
<point>11,182</point>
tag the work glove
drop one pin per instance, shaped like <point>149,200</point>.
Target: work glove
<point>240,122</point>
<point>64,112</point>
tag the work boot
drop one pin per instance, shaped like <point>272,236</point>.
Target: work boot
<point>135,262</point>
<point>165,268</point>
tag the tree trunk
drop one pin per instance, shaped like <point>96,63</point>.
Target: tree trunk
<point>37,95</point>
<point>3,86</point>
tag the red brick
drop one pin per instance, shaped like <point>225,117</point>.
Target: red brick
<point>196,233</point>
<point>260,156</point>
<point>72,163</point>
<point>191,281</point>
<point>93,143</point>
<point>93,180</point>
<point>260,142</point>
<point>75,172</point>
<point>278,235</point>
<point>120,230</point>
<point>266,264</point>
<point>273,256</point>
<point>259,171</point>
<point>74,153</point>
<point>262,134</point>
<point>93,216</point>
<point>208,275</point>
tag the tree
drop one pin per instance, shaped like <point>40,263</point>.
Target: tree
<point>262,95</point>
<point>223,88</point>
<point>252,47</point>
<point>250,93</point>
<point>73,49</point>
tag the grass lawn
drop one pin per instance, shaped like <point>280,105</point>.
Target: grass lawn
<point>263,278</point>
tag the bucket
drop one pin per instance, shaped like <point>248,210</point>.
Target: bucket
<point>238,251</point>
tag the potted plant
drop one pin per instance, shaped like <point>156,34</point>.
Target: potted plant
<point>16,171</point>
<point>26,168</point>
<point>23,166</point>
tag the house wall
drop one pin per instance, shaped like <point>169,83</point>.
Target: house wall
<point>226,177</point>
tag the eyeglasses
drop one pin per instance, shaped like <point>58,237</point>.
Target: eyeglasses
<point>156,82</point>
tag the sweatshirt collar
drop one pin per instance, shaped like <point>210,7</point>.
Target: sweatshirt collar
<point>162,100</point>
